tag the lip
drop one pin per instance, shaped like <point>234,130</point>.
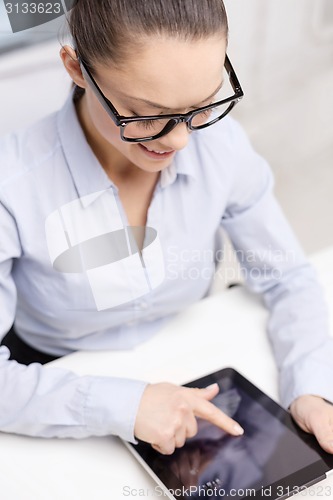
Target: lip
<point>156,156</point>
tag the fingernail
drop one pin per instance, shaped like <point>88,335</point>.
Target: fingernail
<point>238,429</point>
<point>211,386</point>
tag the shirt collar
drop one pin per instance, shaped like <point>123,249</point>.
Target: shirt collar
<point>184,163</point>
<point>87,173</point>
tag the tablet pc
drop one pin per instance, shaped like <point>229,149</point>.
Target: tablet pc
<point>273,459</point>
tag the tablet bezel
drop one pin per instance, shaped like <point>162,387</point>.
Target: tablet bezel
<point>302,478</point>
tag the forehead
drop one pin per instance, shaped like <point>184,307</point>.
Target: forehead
<point>176,72</point>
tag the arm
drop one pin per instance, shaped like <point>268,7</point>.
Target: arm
<point>275,266</point>
<point>49,402</point>
<point>42,401</point>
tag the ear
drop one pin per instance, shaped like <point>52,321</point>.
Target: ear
<point>71,63</point>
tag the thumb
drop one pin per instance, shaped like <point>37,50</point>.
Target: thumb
<point>320,424</point>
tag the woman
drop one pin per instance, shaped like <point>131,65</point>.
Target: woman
<point>97,211</point>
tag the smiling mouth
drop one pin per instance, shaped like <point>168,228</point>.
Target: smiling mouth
<point>155,153</point>
<point>158,152</point>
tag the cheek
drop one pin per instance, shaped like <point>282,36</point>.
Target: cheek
<point>105,126</point>
<point>103,122</point>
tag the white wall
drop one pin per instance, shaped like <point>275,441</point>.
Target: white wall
<point>33,83</point>
<point>283,53</point>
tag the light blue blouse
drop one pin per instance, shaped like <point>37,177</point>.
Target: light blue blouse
<point>72,278</point>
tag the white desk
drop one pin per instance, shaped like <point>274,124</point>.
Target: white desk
<point>99,468</point>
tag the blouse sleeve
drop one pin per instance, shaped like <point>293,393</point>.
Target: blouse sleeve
<point>274,265</point>
<point>46,401</point>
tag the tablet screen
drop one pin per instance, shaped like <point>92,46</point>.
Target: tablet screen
<point>215,464</point>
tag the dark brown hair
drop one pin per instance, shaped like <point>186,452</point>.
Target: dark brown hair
<point>105,29</point>
<point>108,30</point>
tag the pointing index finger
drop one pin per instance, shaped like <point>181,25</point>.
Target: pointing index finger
<point>208,411</point>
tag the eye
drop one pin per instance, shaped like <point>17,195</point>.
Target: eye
<point>207,112</point>
<point>155,124</point>
<point>148,123</point>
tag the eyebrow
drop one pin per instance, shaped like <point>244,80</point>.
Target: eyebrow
<point>159,106</point>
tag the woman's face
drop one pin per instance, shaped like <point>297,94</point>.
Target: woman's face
<point>168,76</point>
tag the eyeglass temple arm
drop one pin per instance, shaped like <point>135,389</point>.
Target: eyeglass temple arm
<point>233,77</point>
<point>108,106</point>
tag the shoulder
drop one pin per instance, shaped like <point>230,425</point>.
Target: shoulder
<point>226,149</point>
<point>27,148</point>
<point>226,137</point>
<point>228,161</point>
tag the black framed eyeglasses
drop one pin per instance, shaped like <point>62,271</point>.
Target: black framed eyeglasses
<point>150,127</point>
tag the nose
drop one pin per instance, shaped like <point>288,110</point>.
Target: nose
<point>177,139</point>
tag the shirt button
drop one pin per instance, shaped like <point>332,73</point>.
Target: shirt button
<point>143,305</point>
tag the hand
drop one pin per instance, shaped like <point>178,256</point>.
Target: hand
<point>166,415</point>
<point>315,415</point>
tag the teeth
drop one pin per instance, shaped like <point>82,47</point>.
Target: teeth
<point>158,152</point>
